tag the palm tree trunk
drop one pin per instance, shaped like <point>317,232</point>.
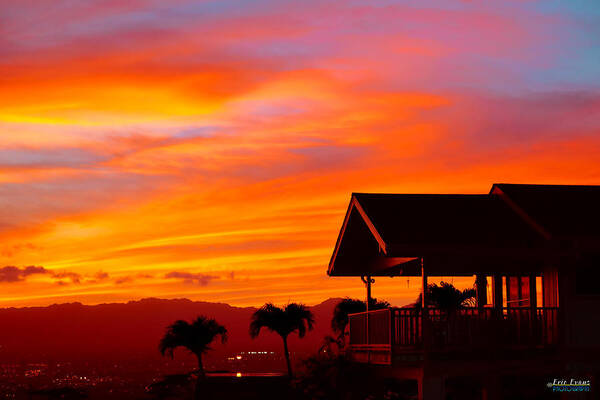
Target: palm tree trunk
<point>198,392</point>
<point>287,356</point>
<point>343,335</point>
<point>201,373</point>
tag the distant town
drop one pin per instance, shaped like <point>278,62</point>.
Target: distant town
<point>122,379</point>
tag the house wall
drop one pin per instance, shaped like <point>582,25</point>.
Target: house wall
<point>580,300</point>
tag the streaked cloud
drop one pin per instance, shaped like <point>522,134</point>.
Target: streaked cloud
<point>47,158</point>
<point>15,274</point>
<point>191,278</point>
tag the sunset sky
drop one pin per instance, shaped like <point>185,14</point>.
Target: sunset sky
<point>208,149</point>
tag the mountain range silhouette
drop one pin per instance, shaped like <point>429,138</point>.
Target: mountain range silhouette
<point>123,331</point>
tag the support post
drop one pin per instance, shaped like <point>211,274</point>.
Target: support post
<point>481,290</point>
<point>423,286</point>
<point>532,293</point>
<point>498,304</point>
<point>497,292</point>
<point>509,295</point>
<point>533,320</point>
<point>424,311</point>
<point>367,280</point>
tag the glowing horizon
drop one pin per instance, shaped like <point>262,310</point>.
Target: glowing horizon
<point>208,149</point>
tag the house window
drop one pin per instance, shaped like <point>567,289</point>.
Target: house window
<point>587,275</point>
<point>517,291</point>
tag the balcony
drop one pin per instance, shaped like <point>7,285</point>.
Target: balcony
<point>378,336</point>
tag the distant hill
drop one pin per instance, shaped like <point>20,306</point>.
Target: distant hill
<point>119,331</point>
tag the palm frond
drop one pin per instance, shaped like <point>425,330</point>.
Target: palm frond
<point>300,318</point>
<point>195,336</point>
<point>346,306</point>
<point>293,318</point>
<point>268,316</point>
<point>447,297</point>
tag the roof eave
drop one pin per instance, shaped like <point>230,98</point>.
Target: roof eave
<point>355,204</point>
<point>497,190</point>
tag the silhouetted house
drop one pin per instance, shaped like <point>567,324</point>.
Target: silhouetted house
<point>537,247</point>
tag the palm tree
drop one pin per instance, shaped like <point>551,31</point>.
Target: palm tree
<point>283,321</point>
<point>347,306</point>
<point>195,337</point>
<point>447,297</point>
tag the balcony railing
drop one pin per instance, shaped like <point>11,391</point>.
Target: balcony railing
<point>406,329</point>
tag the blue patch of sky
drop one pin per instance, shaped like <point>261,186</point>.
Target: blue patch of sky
<point>575,7</point>
<point>261,108</point>
<point>222,8</point>
<point>578,61</point>
<point>295,53</point>
<point>21,203</point>
<point>329,155</point>
<point>60,157</point>
<point>196,132</point>
<point>577,49</point>
<point>155,16</point>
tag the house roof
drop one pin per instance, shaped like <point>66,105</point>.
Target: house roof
<point>404,219</point>
<point>560,210</point>
<point>382,234</point>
